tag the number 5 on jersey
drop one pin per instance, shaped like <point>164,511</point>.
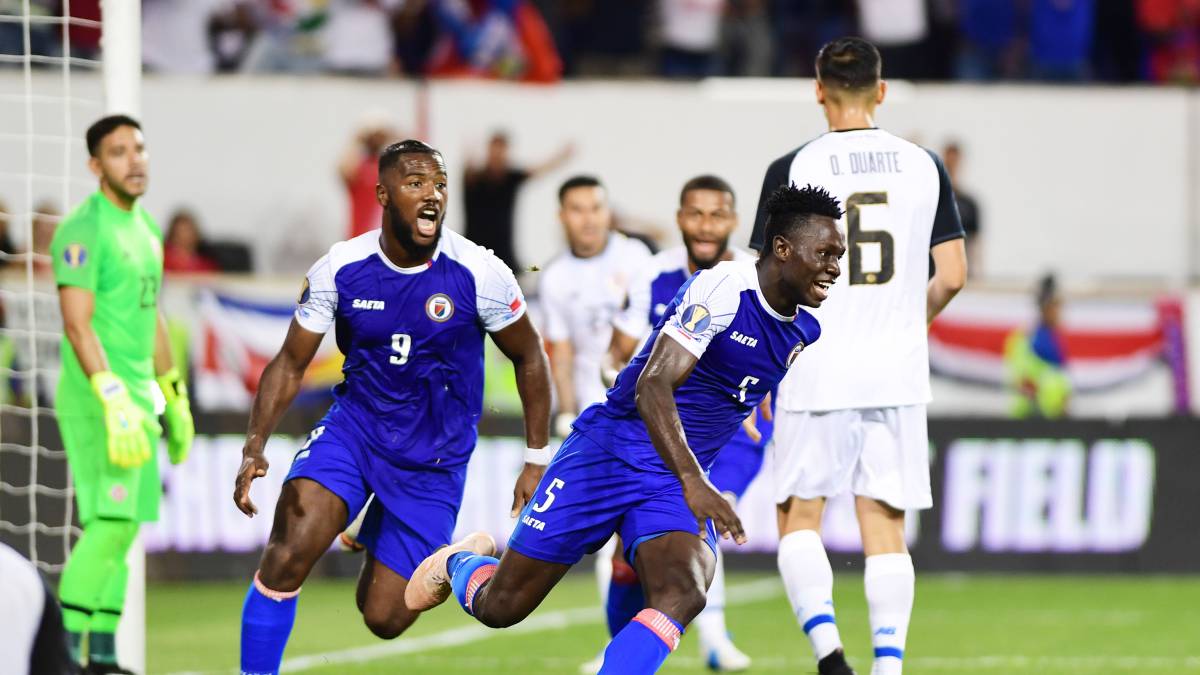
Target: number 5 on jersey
<point>555,484</point>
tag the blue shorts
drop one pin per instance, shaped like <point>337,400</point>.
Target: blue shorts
<point>739,461</point>
<point>588,494</point>
<point>414,509</point>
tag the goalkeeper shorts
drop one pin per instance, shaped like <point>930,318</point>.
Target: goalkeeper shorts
<point>102,489</point>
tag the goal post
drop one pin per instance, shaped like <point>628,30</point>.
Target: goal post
<point>121,49</point>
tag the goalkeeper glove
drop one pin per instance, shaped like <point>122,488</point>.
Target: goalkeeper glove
<point>124,422</point>
<point>178,413</point>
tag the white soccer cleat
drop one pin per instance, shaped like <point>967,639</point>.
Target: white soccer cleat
<point>724,657</point>
<point>593,667</point>
<point>430,582</point>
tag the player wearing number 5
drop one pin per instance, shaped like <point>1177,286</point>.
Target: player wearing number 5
<point>410,305</point>
<point>107,257</point>
<point>862,428</point>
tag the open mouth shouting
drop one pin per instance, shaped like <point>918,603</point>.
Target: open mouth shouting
<point>427,222</point>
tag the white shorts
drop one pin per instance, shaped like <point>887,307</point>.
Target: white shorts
<point>881,453</point>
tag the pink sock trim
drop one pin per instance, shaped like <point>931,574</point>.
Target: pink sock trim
<point>660,625</point>
<point>478,578</point>
<point>277,596</point>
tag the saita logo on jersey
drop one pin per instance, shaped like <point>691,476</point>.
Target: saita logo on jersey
<point>118,493</point>
<point>75,255</point>
<point>795,352</point>
<point>439,307</point>
<point>304,293</point>
<point>695,319</point>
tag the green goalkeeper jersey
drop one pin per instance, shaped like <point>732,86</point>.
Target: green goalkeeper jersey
<point>117,255</point>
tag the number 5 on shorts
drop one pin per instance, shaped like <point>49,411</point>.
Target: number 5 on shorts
<point>555,484</point>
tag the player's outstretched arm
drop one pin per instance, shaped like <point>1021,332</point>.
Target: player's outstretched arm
<point>562,359</point>
<point>521,343</point>
<point>669,366</point>
<point>620,351</point>
<point>278,386</point>
<point>949,276</point>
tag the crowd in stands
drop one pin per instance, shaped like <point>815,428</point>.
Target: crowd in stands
<point>543,40</point>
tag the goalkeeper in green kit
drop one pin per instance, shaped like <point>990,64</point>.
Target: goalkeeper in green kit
<point>107,257</point>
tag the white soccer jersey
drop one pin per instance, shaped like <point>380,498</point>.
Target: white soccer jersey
<point>899,203</point>
<point>580,297</point>
<point>655,287</point>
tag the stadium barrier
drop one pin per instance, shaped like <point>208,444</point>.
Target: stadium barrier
<point>1015,496</point>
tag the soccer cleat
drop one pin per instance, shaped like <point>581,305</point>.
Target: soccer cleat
<point>592,667</point>
<point>724,657</point>
<point>430,582</point>
<point>106,669</point>
<point>835,664</point>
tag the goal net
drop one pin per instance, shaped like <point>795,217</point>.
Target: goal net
<point>54,82</point>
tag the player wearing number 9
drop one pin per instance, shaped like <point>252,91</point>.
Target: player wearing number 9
<point>636,464</point>
<point>107,258</point>
<point>863,428</point>
<point>410,306</point>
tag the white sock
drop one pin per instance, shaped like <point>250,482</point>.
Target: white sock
<point>808,578</point>
<point>890,583</point>
<point>604,567</point>
<point>711,621</point>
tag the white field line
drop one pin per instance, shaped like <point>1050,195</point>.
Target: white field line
<point>754,591</point>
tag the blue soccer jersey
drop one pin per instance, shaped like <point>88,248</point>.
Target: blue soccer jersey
<point>744,349</point>
<point>413,342</point>
<point>653,291</point>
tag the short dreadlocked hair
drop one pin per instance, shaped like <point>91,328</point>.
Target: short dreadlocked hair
<point>790,209</point>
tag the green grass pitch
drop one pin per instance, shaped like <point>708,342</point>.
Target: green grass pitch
<point>976,623</point>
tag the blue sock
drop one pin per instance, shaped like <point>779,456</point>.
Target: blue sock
<point>642,645</point>
<point>468,573</point>
<point>266,625</point>
<point>625,600</point>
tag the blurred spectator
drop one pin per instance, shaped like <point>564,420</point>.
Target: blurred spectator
<point>504,39</point>
<point>1172,30</point>
<point>287,38</point>
<point>990,48</point>
<point>1036,364</point>
<point>690,37</point>
<point>230,34</point>
<point>746,39</point>
<point>358,169</point>
<point>414,34</point>
<point>799,30</point>
<point>357,37</point>
<point>46,217</point>
<point>490,195</point>
<point>1060,39</point>
<point>899,29</point>
<point>175,35</point>
<point>1117,48</point>
<point>85,40</point>
<point>968,208</point>
<point>43,39</point>
<point>182,246</point>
